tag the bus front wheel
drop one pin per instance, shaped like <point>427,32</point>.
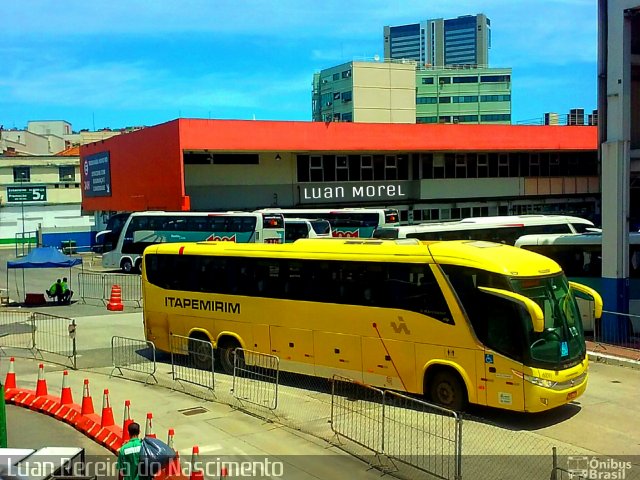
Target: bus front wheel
<point>447,390</point>
<point>226,354</point>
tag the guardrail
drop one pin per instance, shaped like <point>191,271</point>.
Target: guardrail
<point>255,378</point>
<point>357,413</point>
<point>97,286</point>
<point>422,435</point>
<point>622,331</point>
<point>134,355</point>
<point>39,332</point>
<point>192,361</point>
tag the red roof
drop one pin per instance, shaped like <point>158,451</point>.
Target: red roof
<point>69,152</point>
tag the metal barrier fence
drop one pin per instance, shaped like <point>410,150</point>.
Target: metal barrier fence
<point>91,286</point>
<point>422,435</point>
<point>192,361</point>
<point>39,332</point>
<point>255,378</point>
<point>135,355</point>
<point>97,286</point>
<point>416,433</point>
<point>16,330</point>
<point>57,335</point>
<point>357,412</point>
<point>618,334</point>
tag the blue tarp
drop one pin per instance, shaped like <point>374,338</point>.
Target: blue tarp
<point>46,257</point>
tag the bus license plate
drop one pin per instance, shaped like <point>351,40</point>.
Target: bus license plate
<point>571,395</point>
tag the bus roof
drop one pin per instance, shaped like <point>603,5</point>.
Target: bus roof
<point>157,213</point>
<point>494,257</point>
<point>590,238</point>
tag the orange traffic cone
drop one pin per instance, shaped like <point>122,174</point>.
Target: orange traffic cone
<point>174,466</point>
<point>41,386</point>
<point>126,421</point>
<point>10,380</point>
<point>107,412</point>
<point>87,402</point>
<point>148,428</point>
<point>66,398</point>
<point>196,471</point>
<point>115,303</point>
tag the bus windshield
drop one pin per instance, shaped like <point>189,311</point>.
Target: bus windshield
<point>562,341</point>
<point>505,327</point>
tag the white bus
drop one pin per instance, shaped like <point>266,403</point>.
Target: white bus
<point>148,228</point>
<point>499,229</point>
<point>295,228</point>
<point>580,256</point>
<point>346,222</point>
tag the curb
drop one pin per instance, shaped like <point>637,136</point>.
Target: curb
<point>598,357</point>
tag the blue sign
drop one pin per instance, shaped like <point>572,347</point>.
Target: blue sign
<point>564,349</point>
<point>97,175</point>
<point>488,358</point>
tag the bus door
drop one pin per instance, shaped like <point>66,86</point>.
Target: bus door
<point>503,337</point>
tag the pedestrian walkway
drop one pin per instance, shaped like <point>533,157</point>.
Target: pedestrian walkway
<point>220,431</point>
<point>613,354</point>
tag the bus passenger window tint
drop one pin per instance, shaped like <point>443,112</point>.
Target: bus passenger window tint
<point>390,285</point>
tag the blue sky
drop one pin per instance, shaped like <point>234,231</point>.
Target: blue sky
<point>123,63</point>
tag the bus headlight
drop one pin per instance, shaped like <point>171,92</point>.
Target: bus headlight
<point>541,382</point>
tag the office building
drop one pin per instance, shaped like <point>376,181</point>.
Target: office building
<point>403,92</point>
<point>441,42</point>
<point>367,92</point>
<point>455,95</point>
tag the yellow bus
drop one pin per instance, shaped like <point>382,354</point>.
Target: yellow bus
<point>458,321</point>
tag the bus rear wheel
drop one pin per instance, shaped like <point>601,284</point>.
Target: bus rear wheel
<point>447,390</point>
<point>200,352</point>
<point>126,265</point>
<point>227,353</point>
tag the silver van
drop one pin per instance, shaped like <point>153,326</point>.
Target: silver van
<point>295,228</point>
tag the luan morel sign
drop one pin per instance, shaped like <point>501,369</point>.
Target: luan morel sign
<point>353,192</point>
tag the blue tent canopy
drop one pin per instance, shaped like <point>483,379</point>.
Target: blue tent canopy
<point>45,257</point>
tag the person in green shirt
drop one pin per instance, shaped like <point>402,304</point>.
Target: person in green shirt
<point>55,291</point>
<point>129,455</point>
<point>67,293</point>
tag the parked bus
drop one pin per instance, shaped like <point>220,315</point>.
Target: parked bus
<point>346,222</point>
<point>296,228</point>
<point>147,228</point>
<point>580,256</point>
<point>500,229</point>
<point>459,322</point>
<point>106,239</point>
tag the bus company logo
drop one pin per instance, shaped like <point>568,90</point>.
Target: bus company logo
<point>400,327</point>
<point>346,234</point>
<point>221,238</point>
<point>583,467</point>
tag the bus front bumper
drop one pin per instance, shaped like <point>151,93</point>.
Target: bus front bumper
<point>539,399</point>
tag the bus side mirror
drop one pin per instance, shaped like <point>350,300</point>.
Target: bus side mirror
<point>591,294</point>
<point>535,312</point>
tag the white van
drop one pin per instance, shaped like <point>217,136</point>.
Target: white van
<point>295,228</point>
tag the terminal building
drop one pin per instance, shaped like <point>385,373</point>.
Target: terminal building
<point>428,172</point>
